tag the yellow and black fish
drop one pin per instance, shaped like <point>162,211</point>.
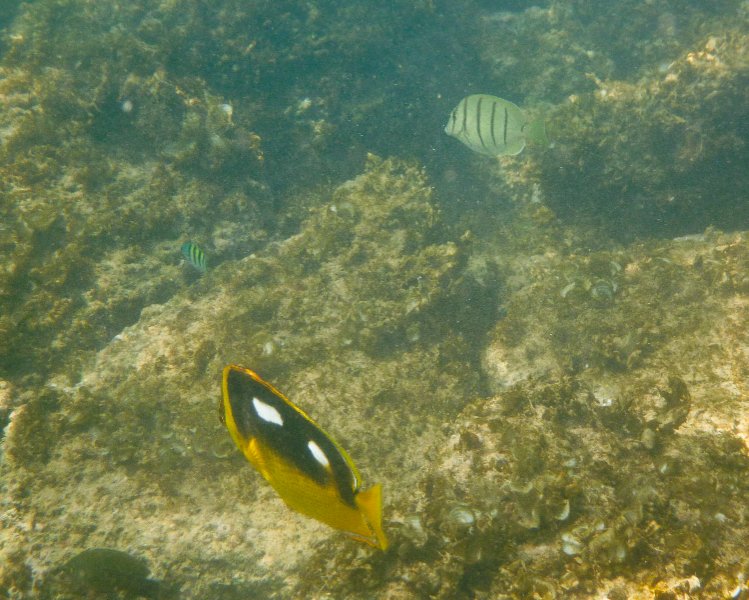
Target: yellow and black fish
<point>309,470</point>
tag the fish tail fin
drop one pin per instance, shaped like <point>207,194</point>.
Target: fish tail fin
<point>535,133</point>
<point>370,504</point>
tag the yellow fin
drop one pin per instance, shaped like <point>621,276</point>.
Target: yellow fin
<point>370,504</point>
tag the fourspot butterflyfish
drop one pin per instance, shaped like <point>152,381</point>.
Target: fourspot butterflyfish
<point>307,468</point>
<point>194,255</point>
<point>493,126</point>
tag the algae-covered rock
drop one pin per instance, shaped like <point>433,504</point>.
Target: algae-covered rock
<point>576,41</point>
<point>557,494</point>
<point>90,236</point>
<point>127,129</point>
<point>652,305</point>
<point>352,317</point>
<point>541,491</point>
<point>603,464</point>
<point>647,116</point>
<point>550,414</point>
<point>662,156</point>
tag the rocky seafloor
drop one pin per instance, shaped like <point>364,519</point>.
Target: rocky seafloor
<point>550,380</point>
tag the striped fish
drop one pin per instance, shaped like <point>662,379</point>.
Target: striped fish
<point>194,255</point>
<point>492,126</point>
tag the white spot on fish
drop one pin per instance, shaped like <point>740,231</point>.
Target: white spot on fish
<point>318,454</point>
<point>266,412</point>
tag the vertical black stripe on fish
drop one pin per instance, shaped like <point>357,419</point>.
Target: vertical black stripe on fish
<point>504,133</point>
<point>478,123</point>
<point>493,122</point>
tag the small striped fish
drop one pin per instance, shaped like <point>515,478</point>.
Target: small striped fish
<point>194,255</point>
<point>492,126</point>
